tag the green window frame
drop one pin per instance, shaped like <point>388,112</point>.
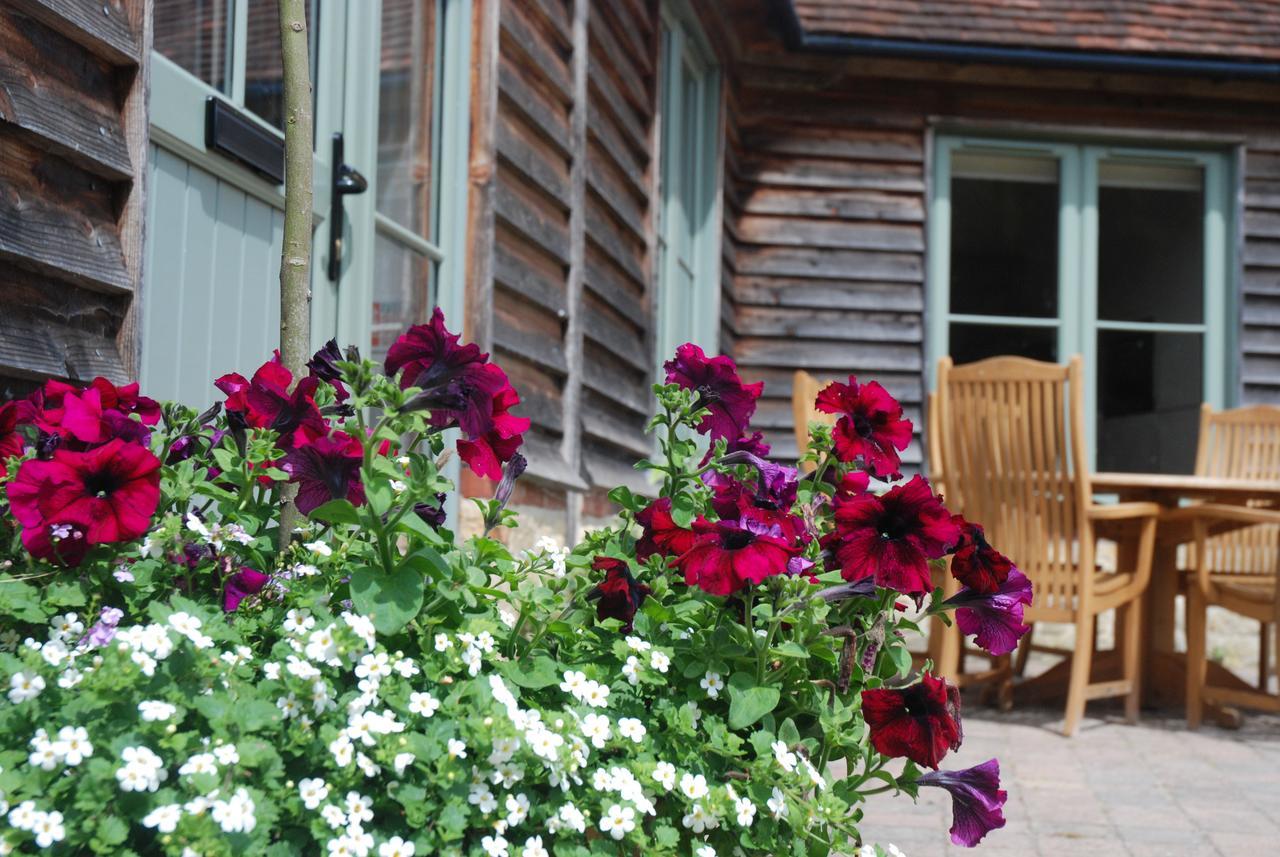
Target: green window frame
<point>1077,322</point>
<point>689,218</point>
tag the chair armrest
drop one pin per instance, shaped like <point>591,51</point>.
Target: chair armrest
<point>1122,511</point>
<point>1228,512</point>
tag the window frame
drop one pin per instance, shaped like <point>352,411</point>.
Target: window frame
<point>1077,322</point>
<point>695,316</point>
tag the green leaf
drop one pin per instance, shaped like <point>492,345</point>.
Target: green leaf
<point>623,497</point>
<point>389,600</point>
<point>539,673</point>
<point>428,563</point>
<point>336,512</point>
<point>749,705</point>
<point>684,507</point>
<point>792,649</point>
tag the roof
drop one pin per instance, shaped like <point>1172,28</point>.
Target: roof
<point>1232,30</point>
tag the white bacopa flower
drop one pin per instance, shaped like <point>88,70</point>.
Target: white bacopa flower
<point>785,757</point>
<point>43,756</point>
<point>313,791</point>
<point>184,623</point>
<point>533,848</point>
<point>482,799</point>
<point>596,694</point>
<point>362,627</point>
<point>305,569</point>
<point>154,709</point>
<point>142,770</point>
<point>423,703</point>
<point>397,847</point>
<point>200,763</point>
<point>894,851</point>
<point>596,727</point>
<point>73,745</point>
<point>55,652</point>
<point>574,682</point>
<point>660,661</point>
<point>698,819</point>
<point>163,819</point>
<point>517,809</point>
<point>443,643</point>
<point>457,749</point>
<point>226,754</point>
<point>778,803</point>
<point>495,846</point>
<point>70,678</point>
<point>664,774</point>
<point>288,706</point>
<point>24,815</point>
<point>630,727</point>
<point>693,786</point>
<point>235,815</point>
<point>319,548</point>
<point>360,842</point>
<point>333,816</point>
<point>705,851</point>
<point>545,743</point>
<point>359,808</point>
<point>638,645</point>
<point>342,749</point>
<point>814,776</point>
<point>745,810</point>
<point>398,486</point>
<point>601,781</point>
<point>712,684</point>
<point>302,669</point>
<point>24,686</point>
<point>145,662</point>
<point>48,829</point>
<point>406,667</point>
<point>402,761</point>
<point>618,821</point>
<point>322,646</point>
<point>65,626</point>
<point>631,670</point>
<point>298,621</point>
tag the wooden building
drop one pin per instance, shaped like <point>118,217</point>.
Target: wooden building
<point>844,186</point>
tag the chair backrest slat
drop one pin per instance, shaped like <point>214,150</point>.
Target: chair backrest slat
<point>1242,443</point>
<point>804,394</point>
<point>1011,432</point>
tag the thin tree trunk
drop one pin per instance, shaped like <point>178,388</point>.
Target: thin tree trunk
<point>295,256</point>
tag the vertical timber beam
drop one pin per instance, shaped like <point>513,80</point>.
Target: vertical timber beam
<point>482,171</point>
<point>136,122</point>
<point>571,442</point>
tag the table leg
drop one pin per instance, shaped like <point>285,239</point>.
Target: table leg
<point>1159,614</point>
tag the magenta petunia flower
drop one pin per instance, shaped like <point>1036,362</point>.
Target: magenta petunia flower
<point>241,585</point>
<point>110,491</point>
<point>12,443</point>
<point>976,563</point>
<point>126,400</point>
<point>995,618</point>
<point>976,800</point>
<point>870,427</point>
<point>661,536</point>
<point>728,556</point>
<point>619,595</point>
<point>715,379</point>
<point>891,537</point>
<point>265,402</point>
<point>920,722</point>
<point>327,468</point>
<point>486,454</point>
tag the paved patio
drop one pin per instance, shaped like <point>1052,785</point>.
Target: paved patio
<point>1153,789</point>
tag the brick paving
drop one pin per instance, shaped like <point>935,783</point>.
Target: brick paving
<point>1137,791</point>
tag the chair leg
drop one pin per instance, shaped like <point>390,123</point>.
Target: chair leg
<point>947,655</point>
<point>1196,657</point>
<point>1132,648</point>
<point>1081,662</point>
<point>1024,650</point>
<point>1264,656</point>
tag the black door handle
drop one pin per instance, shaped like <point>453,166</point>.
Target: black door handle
<point>346,180</point>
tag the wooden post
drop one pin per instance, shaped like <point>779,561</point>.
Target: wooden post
<point>295,255</point>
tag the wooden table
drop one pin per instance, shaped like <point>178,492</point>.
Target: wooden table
<point>1164,669</point>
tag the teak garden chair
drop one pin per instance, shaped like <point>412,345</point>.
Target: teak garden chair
<point>1013,452</point>
<point>1236,569</point>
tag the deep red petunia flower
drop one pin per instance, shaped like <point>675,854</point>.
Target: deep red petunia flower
<point>12,443</point>
<point>976,563</point>
<point>727,556</point>
<point>871,425</point>
<point>762,508</point>
<point>920,722</point>
<point>458,384</point>
<point>486,454</point>
<point>112,490</point>
<point>661,535</point>
<point>995,619</point>
<point>241,585</point>
<point>327,468</point>
<point>265,402</point>
<point>715,379</point>
<point>891,537</point>
<point>619,595</point>
<point>62,541</point>
<point>976,800</point>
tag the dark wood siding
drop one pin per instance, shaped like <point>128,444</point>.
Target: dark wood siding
<point>561,284</point>
<point>1260,310</point>
<point>72,160</point>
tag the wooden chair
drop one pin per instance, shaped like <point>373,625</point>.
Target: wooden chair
<point>1013,450</point>
<point>1236,569</point>
<point>804,392</point>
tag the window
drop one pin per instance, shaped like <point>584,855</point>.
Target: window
<point>1118,253</point>
<point>689,228</point>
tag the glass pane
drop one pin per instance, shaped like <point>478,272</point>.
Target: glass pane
<point>194,34</point>
<point>1150,244</point>
<point>263,93</point>
<point>1150,386</point>
<point>401,292</point>
<point>970,342</point>
<point>1004,236</point>
<point>405,86</point>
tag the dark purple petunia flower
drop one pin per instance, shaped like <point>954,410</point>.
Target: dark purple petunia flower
<point>995,618</point>
<point>324,365</point>
<point>433,516</point>
<point>777,482</point>
<point>976,800</point>
<point>241,585</point>
<point>327,468</point>
<point>715,379</point>
<point>619,594</point>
